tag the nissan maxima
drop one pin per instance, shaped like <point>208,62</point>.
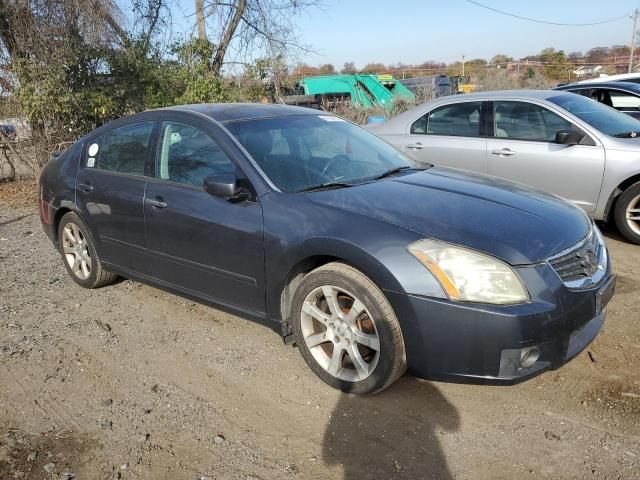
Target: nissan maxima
<point>371,264</point>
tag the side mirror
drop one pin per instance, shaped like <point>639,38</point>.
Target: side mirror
<point>223,185</point>
<point>567,137</point>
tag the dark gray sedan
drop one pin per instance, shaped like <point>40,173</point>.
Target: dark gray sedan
<point>315,227</point>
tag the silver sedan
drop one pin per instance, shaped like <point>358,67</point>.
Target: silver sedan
<point>558,142</point>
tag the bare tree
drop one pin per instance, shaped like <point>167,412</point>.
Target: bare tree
<point>148,15</point>
<point>200,20</point>
<point>349,68</point>
<point>245,29</point>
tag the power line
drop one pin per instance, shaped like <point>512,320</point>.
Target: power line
<point>544,21</point>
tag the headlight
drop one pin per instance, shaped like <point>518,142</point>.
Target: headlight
<point>468,275</point>
<point>603,258</point>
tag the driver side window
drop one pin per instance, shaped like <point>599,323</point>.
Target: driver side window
<point>528,121</point>
<point>188,155</point>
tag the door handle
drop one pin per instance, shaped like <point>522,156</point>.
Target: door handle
<point>156,202</point>
<point>503,152</point>
<point>85,187</point>
<point>416,146</point>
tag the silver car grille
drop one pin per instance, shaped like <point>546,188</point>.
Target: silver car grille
<point>581,262</point>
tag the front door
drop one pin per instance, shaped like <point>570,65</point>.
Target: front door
<point>199,243</point>
<point>451,135</point>
<point>110,191</point>
<point>523,149</point>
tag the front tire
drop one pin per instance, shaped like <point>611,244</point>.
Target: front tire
<point>627,213</point>
<point>347,331</point>
<point>79,253</point>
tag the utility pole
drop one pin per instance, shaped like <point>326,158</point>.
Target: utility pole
<point>634,16</point>
<point>463,57</point>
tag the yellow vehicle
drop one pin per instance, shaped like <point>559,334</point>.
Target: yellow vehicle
<point>467,87</point>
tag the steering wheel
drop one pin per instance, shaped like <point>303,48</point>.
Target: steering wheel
<point>333,161</point>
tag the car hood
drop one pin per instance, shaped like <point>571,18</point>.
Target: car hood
<point>625,144</point>
<point>504,219</point>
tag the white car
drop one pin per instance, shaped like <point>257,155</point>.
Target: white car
<point>621,77</point>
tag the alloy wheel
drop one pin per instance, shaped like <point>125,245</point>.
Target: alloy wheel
<point>76,251</point>
<point>340,333</point>
<point>633,214</point>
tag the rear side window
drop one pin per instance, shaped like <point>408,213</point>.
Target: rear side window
<point>122,150</point>
<point>624,101</point>
<point>188,155</point>
<point>458,120</point>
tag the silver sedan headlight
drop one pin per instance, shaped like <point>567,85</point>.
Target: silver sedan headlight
<point>468,275</point>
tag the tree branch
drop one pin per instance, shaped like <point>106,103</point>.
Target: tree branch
<point>228,35</point>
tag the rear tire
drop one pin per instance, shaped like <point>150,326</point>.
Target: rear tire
<point>627,213</point>
<point>79,253</point>
<point>347,331</point>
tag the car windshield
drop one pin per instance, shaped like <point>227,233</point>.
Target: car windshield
<point>606,119</point>
<point>306,152</point>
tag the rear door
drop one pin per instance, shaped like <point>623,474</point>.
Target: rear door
<point>523,149</point>
<point>110,190</point>
<point>202,244</point>
<point>452,135</point>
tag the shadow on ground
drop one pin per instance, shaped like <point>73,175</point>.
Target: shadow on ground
<point>393,434</point>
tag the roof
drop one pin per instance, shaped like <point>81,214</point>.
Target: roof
<point>630,86</point>
<point>409,115</point>
<point>231,112</point>
<point>497,95</point>
<point>610,78</point>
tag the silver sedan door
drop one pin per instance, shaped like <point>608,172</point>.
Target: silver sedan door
<point>523,149</point>
<point>451,135</point>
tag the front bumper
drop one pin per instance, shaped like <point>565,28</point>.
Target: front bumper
<point>473,343</point>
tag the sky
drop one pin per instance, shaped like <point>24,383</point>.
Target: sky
<point>414,31</point>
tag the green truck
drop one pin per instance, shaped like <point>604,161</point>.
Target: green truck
<point>362,90</point>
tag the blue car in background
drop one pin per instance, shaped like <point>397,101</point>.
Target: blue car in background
<point>307,223</point>
<point>7,132</point>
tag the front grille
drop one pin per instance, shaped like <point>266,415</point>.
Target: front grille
<point>580,262</point>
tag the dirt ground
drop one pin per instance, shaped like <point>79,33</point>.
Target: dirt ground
<point>130,382</point>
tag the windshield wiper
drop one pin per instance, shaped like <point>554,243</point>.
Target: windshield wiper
<point>326,186</point>
<point>392,172</point>
<point>626,135</point>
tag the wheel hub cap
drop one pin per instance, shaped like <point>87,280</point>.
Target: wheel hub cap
<point>633,215</point>
<point>76,251</point>
<point>340,333</point>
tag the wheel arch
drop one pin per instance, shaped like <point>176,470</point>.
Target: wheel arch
<point>322,252</point>
<point>66,207</point>
<point>619,190</point>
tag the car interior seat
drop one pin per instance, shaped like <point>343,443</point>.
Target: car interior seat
<point>602,96</point>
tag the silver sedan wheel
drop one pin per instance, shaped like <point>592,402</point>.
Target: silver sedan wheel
<point>633,215</point>
<point>76,251</point>
<point>340,333</point>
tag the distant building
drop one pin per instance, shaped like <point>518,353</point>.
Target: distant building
<point>587,71</point>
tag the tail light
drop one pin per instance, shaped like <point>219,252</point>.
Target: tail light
<point>44,209</point>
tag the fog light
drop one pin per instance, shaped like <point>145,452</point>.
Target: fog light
<point>529,356</point>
